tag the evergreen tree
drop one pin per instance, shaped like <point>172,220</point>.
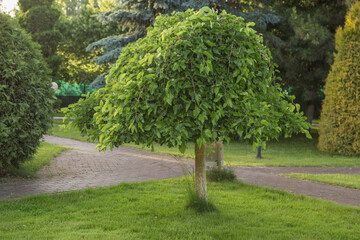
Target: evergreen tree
<point>25,95</point>
<point>304,44</point>
<point>340,116</point>
<point>38,17</point>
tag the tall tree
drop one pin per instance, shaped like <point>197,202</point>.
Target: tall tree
<point>340,117</point>
<point>196,77</point>
<point>38,17</point>
<point>304,44</point>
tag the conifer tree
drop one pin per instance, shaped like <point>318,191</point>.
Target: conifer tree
<point>340,117</point>
<point>25,95</point>
<point>304,44</point>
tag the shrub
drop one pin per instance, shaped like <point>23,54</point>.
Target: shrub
<point>25,95</point>
<point>340,117</point>
<point>220,175</point>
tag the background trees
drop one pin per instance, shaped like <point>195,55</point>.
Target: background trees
<point>196,77</point>
<point>25,95</point>
<point>38,17</point>
<point>303,46</point>
<point>339,124</point>
<point>79,30</point>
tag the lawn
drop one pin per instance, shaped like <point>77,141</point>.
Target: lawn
<point>43,155</point>
<point>352,181</point>
<point>156,210</point>
<point>295,151</point>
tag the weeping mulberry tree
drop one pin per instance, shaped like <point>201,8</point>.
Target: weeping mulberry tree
<point>135,16</point>
<point>196,77</point>
<point>340,118</point>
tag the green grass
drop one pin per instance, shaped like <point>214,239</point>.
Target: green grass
<point>58,131</point>
<point>42,157</point>
<point>57,113</point>
<point>352,181</point>
<point>156,210</point>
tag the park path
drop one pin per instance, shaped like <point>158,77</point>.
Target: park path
<point>83,167</point>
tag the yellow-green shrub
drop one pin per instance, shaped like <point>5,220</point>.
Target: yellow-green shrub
<point>340,117</point>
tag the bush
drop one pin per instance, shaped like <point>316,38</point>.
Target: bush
<point>220,175</point>
<point>25,95</point>
<point>340,117</point>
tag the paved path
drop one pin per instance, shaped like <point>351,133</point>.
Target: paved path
<point>84,167</point>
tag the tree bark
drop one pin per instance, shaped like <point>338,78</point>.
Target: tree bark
<point>310,109</point>
<point>200,172</point>
<point>310,98</point>
<point>258,156</point>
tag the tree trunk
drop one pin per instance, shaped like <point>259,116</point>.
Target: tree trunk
<point>310,109</point>
<point>200,173</point>
<point>216,157</point>
<point>310,98</point>
<point>258,156</point>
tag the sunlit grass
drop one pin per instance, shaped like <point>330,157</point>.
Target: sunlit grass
<point>156,210</point>
<point>352,181</point>
<point>42,157</point>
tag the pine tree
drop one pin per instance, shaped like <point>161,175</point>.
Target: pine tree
<point>340,117</point>
<point>39,18</point>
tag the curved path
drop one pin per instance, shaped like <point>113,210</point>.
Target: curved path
<point>83,167</point>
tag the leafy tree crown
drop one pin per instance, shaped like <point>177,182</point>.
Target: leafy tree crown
<point>196,77</point>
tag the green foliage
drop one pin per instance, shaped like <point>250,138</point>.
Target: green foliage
<point>25,95</point>
<point>138,15</point>
<point>340,119</point>
<point>303,45</point>
<point>79,31</point>
<point>135,16</point>
<point>196,77</point>
<point>220,175</point>
<point>39,17</point>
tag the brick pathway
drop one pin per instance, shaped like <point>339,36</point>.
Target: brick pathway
<point>84,167</point>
